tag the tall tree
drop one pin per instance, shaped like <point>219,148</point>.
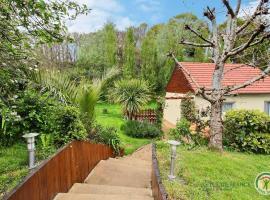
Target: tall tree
<point>129,62</point>
<point>150,67</point>
<point>110,40</point>
<point>224,46</point>
<point>91,53</point>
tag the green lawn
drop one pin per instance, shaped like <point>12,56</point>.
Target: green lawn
<point>212,175</point>
<point>115,119</point>
<point>13,167</point>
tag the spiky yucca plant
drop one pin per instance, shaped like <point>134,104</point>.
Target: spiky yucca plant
<point>131,94</point>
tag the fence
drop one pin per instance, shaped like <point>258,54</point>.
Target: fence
<point>149,115</point>
<point>70,165</point>
<point>158,189</point>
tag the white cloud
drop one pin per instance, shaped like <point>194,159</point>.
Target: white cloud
<point>248,9</point>
<point>102,12</point>
<point>151,7</point>
<point>148,5</point>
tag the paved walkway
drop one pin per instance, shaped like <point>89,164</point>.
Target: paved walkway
<point>126,178</point>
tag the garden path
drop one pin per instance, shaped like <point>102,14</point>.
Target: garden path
<point>125,178</point>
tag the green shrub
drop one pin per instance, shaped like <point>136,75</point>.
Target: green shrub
<point>9,129</point>
<point>247,130</point>
<point>106,135</point>
<point>257,143</point>
<point>35,112</point>
<point>105,111</point>
<point>45,146</point>
<point>181,130</point>
<point>69,126</point>
<point>183,133</point>
<point>138,129</point>
<point>188,109</point>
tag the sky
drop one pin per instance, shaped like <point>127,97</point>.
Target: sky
<point>125,13</point>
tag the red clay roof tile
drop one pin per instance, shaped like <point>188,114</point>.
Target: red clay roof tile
<point>202,74</point>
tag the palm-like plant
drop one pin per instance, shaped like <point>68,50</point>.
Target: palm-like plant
<point>86,99</point>
<point>132,95</point>
<point>59,84</point>
<point>83,93</point>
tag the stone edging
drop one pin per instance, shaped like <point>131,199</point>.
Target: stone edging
<point>159,191</point>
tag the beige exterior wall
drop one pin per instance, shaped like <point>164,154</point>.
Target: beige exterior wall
<point>244,101</point>
<point>172,111</point>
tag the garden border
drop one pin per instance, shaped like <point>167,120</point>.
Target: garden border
<point>159,192</point>
<point>70,164</point>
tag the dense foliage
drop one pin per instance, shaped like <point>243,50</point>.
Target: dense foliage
<point>24,22</point>
<point>140,52</point>
<point>141,129</point>
<point>31,111</point>
<point>183,132</point>
<point>188,109</point>
<point>247,130</point>
<point>132,94</point>
<point>106,135</point>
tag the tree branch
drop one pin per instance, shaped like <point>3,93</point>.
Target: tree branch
<point>250,43</point>
<point>234,68</point>
<point>249,82</point>
<point>187,27</point>
<point>194,44</point>
<point>229,8</point>
<point>238,7</point>
<point>259,11</point>
<point>210,13</point>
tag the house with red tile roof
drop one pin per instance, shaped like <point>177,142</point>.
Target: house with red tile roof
<point>188,76</point>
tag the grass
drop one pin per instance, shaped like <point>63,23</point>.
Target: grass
<point>204,174</point>
<point>13,167</point>
<point>115,119</point>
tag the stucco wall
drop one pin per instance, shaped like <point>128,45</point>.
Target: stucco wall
<point>245,101</point>
<point>172,109</point>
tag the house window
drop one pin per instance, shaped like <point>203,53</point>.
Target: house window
<point>226,106</point>
<point>267,107</point>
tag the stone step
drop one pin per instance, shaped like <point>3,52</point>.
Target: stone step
<point>70,196</point>
<point>117,174</point>
<point>144,153</point>
<point>107,189</point>
<point>131,162</point>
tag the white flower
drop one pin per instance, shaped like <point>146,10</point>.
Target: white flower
<point>13,113</point>
<point>18,118</point>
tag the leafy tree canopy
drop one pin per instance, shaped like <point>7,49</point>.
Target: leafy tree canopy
<point>27,22</point>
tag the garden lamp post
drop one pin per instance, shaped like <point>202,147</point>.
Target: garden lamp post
<point>30,138</point>
<point>173,144</point>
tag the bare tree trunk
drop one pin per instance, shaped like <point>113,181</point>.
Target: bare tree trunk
<point>216,126</point>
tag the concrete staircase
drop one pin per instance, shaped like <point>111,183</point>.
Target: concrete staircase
<point>126,178</point>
